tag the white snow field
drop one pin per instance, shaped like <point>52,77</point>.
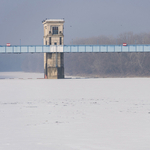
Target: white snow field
<point>75,114</point>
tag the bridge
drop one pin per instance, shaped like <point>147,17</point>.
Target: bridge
<point>73,48</point>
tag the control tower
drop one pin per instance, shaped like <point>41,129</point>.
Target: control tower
<point>53,35</point>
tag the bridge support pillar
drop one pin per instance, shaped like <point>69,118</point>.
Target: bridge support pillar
<point>54,65</point>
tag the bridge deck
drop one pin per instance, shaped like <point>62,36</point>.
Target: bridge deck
<point>73,48</point>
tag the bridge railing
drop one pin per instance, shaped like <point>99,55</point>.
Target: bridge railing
<point>73,48</point>
<point>31,49</point>
<point>106,48</point>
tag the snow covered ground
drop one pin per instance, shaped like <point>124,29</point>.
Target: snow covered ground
<point>74,114</point>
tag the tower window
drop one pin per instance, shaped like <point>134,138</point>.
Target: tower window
<point>55,30</point>
<point>49,40</point>
<point>60,40</point>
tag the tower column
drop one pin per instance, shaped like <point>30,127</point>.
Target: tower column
<point>53,61</point>
<point>54,65</point>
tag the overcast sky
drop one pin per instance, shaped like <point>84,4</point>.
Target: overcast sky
<point>22,19</point>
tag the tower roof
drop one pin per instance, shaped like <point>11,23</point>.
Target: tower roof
<point>53,20</point>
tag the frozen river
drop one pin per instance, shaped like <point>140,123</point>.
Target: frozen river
<point>74,114</point>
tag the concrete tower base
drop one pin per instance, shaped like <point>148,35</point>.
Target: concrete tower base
<point>53,65</point>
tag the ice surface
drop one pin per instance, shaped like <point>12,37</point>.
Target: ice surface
<point>75,114</point>
<point>20,75</point>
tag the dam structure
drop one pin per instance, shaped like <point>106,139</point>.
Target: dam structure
<point>53,48</point>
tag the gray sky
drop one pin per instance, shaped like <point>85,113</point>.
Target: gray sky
<point>22,19</point>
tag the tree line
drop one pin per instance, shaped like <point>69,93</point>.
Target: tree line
<point>110,64</point>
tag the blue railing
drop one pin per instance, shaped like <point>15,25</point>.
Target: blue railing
<point>73,48</point>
